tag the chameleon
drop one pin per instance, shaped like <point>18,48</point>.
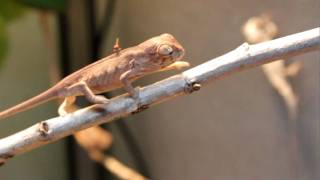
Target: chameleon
<point>262,28</point>
<point>120,69</point>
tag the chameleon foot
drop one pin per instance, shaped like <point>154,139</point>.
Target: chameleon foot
<point>136,93</point>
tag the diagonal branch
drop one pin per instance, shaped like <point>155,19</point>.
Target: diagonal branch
<point>244,57</point>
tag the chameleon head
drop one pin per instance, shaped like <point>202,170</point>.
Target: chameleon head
<point>169,49</point>
<point>259,29</point>
<point>163,50</point>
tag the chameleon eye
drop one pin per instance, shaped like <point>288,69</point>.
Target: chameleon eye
<point>165,50</point>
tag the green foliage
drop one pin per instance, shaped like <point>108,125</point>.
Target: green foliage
<point>57,5</point>
<point>10,10</point>
<point>13,9</point>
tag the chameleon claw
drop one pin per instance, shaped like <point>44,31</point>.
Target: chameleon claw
<point>136,93</point>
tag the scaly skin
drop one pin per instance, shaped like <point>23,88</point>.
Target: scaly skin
<point>159,53</point>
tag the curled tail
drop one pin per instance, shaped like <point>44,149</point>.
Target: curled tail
<point>37,100</point>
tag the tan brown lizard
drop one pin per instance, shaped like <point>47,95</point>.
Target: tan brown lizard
<point>159,53</point>
<point>262,28</point>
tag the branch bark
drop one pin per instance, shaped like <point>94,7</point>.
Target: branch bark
<point>244,57</point>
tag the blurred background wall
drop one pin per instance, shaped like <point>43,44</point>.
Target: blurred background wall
<point>234,129</point>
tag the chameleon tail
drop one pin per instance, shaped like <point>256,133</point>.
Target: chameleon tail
<point>37,100</point>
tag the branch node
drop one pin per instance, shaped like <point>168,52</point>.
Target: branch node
<point>191,87</point>
<point>43,128</point>
<point>196,86</point>
<point>245,46</point>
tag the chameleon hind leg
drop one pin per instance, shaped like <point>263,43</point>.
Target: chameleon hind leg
<point>67,106</point>
<point>82,88</point>
<point>70,98</point>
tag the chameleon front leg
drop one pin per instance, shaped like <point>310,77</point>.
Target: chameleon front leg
<point>125,79</point>
<point>82,88</point>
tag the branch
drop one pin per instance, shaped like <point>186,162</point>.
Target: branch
<point>95,141</point>
<point>244,57</point>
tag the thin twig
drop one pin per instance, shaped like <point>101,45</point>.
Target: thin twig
<point>244,57</point>
<point>96,140</point>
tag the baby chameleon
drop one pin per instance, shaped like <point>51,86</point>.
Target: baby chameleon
<point>120,69</point>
